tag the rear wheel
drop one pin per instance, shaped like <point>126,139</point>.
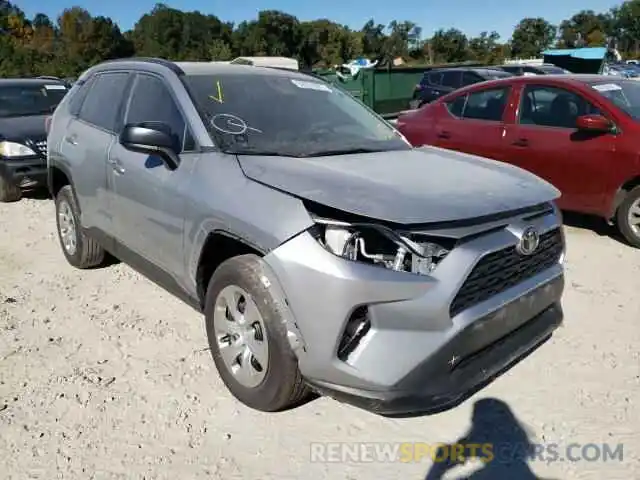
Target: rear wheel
<point>628,217</point>
<point>248,339</point>
<point>80,250</point>
<point>9,191</point>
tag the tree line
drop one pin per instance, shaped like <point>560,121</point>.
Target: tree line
<point>76,40</point>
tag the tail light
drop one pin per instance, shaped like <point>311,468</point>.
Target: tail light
<point>47,124</point>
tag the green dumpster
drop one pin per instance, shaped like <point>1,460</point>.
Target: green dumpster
<point>386,90</point>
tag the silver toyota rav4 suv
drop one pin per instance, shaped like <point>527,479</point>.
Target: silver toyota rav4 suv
<point>326,253</point>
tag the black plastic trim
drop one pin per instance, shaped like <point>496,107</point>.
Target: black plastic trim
<point>53,164</point>
<point>446,393</point>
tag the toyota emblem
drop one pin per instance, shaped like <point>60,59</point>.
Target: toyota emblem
<point>529,241</point>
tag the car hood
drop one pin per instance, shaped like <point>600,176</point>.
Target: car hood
<point>423,185</point>
<point>19,128</point>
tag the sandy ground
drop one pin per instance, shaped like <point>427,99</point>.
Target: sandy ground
<point>103,375</point>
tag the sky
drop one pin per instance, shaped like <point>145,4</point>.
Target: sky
<point>472,17</point>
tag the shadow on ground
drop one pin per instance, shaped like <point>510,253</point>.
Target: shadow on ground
<point>596,224</point>
<point>37,194</point>
<point>493,423</point>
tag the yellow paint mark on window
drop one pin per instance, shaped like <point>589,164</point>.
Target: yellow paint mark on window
<point>217,98</point>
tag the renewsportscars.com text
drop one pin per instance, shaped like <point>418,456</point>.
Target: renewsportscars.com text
<point>411,452</point>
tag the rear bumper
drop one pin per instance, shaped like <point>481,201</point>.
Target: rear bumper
<point>24,172</point>
<point>448,388</point>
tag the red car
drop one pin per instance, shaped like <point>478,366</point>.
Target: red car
<point>581,133</point>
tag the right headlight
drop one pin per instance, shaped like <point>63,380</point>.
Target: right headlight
<point>15,150</point>
<point>380,245</point>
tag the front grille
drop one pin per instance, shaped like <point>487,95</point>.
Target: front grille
<point>506,268</point>
<point>41,147</point>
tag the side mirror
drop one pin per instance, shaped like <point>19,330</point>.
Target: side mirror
<point>152,139</point>
<point>594,123</point>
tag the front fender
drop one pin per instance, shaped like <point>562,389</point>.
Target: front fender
<point>223,200</point>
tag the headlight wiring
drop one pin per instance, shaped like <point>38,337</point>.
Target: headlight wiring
<point>379,245</point>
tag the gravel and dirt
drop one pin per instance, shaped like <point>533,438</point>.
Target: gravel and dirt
<point>103,375</point>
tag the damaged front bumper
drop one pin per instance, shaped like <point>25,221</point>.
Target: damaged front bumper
<point>424,349</point>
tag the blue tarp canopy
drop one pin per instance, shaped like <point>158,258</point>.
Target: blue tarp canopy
<point>577,60</point>
<point>588,53</point>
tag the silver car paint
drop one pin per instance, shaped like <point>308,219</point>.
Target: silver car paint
<point>419,181</point>
<point>410,312</point>
<point>172,214</point>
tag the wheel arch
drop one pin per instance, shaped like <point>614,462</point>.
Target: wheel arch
<point>221,245</point>
<point>218,246</point>
<point>621,193</point>
<point>57,177</point>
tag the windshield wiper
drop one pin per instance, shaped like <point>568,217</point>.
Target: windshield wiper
<point>344,151</point>
<point>258,152</point>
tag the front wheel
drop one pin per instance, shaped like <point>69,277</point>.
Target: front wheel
<point>9,191</point>
<point>628,217</point>
<point>248,339</point>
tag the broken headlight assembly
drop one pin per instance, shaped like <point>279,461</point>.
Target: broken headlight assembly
<point>382,246</point>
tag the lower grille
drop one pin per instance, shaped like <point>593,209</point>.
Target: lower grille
<point>506,268</point>
<point>41,147</point>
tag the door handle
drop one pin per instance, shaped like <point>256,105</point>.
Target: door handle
<point>444,134</point>
<point>116,165</point>
<point>72,139</point>
<point>521,142</point>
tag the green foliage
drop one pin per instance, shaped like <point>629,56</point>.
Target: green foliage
<point>76,40</point>
<point>531,36</point>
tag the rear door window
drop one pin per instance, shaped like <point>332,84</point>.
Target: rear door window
<point>101,107</point>
<point>451,79</point>
<point>469,78</point>
<point>435,78</point>
<point>486,104</point>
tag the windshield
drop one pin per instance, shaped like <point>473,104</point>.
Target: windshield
<point>290,115</point>
<point>30,99</point>
<point>624,94</point>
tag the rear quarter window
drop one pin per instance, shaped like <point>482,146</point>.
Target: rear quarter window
<point>456,105</point>
<point>77,94</point>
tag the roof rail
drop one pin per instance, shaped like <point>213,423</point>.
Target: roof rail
<point>158,61</point>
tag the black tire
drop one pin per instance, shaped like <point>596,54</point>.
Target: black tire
<point>283,386</point>
<point>9,191</point>
<point>88,253</point>
<point>622,218</point>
